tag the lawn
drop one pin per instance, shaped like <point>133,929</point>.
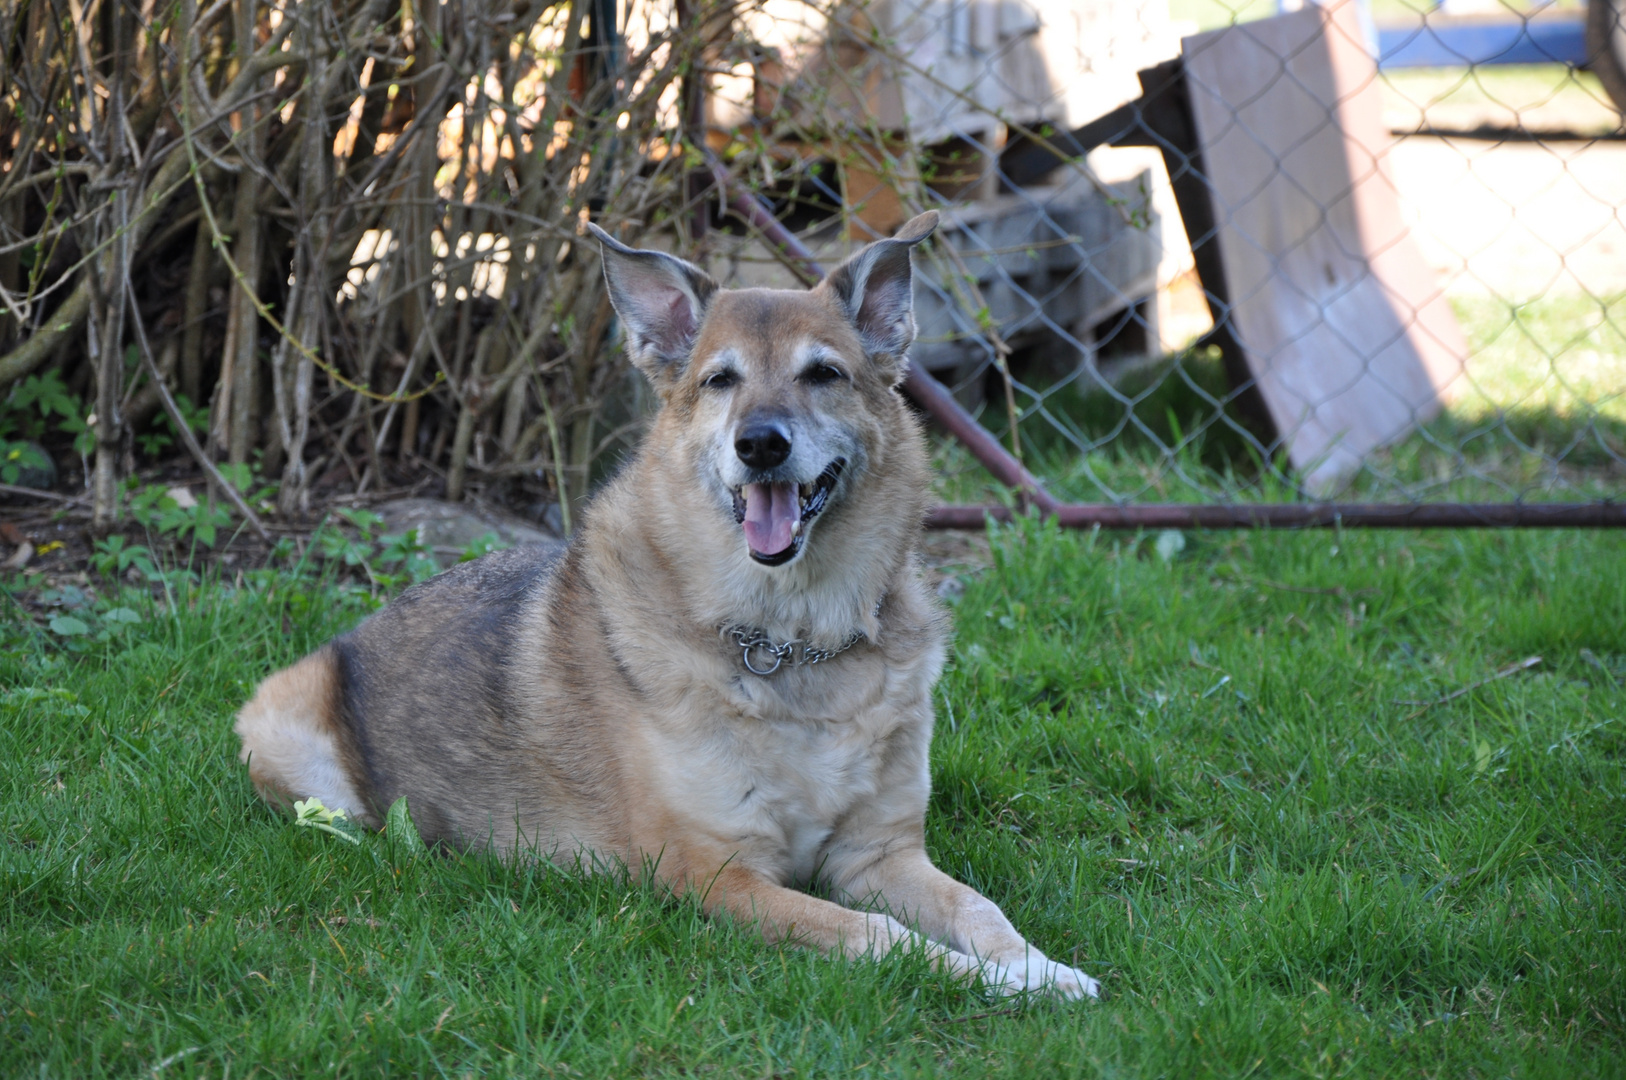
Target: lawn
<point>1228,782</point>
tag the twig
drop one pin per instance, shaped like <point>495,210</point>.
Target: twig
<point>1512,669</point>
<point>175,418</point>
<point>15,489</point>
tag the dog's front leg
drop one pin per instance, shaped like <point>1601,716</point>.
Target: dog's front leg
<point>782,914</point>
<point>909,886</point>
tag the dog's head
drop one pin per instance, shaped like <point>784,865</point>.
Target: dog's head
<point>778,399</point>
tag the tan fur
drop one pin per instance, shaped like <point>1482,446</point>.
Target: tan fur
<point>291,742</point>
<point>592,705</point>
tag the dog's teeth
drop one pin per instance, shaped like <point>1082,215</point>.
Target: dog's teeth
<point>796,527</point>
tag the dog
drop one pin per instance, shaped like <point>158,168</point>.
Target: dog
<point>725,678</point>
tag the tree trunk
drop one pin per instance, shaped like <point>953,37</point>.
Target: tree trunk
<point>248,254</point>
<point>293,370</point>
<point>198,280</point>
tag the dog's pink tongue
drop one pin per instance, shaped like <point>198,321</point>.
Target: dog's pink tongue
<point>771,511</point>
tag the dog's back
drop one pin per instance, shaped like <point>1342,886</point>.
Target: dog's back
<point>415,700</point>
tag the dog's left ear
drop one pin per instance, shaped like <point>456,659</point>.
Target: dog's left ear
<point>661,300</point>
<point>876,290</point>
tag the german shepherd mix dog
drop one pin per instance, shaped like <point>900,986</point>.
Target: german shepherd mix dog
<point>726,677</point>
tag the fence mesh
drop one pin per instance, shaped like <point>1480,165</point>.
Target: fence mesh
<point>1415,287</point>
<point>1189,253</point>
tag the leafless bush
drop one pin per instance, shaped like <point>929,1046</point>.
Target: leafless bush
<point>350,228</point>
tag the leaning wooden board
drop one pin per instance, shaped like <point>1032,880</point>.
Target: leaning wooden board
<point>1342,322</point>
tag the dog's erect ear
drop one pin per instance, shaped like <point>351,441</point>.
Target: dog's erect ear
<point>877,290</point>
<point>661,300</point>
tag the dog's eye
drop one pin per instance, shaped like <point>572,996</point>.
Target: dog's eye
<point>823,373</point>
<point>720,380</point>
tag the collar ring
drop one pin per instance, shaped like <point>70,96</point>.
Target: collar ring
<point>777,652</point>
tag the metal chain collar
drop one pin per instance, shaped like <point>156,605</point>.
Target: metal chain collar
<point>750,641</point>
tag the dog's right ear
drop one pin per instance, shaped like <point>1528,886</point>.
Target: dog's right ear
<point>876,289</point>
<point>661,300</point>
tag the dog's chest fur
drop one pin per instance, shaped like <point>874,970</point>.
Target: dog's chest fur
<point>771,786</point>
<point>775,793</point>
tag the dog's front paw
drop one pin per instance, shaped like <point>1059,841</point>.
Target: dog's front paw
<point>1067,982</point>
<point>1039,974</point>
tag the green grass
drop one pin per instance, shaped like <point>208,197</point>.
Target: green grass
<point>1537,97</point>
<point>1562,356</point>
<point>1194,779</point>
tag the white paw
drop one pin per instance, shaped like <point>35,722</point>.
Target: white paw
<point>1038,974</point>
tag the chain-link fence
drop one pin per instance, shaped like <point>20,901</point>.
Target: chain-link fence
<point>1206,259</point>
<point>1219,256</point>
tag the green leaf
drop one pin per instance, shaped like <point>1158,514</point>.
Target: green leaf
<point>484,544</point>
<point>68,626</point>
<point>365,520</point>
<point>311,814</point>
<point>400,830</point>
<point>238,475</point>
<point>121,615</point>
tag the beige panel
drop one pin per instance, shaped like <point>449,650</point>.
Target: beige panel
<point>1344,325</point>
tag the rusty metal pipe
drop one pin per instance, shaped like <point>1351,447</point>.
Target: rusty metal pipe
<point>795,254</point>
<point>938,403</point>
<point>1609,515</point>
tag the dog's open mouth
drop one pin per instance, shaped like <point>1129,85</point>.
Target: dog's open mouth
<point>775,516</point>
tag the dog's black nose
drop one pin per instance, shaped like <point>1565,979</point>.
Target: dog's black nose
<point>763,446</point>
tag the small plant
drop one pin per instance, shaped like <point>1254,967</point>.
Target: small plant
<point>63,702</point>
<point>401,831</point>
<point>32,403</point>
<point>115,555</point>
<point>153,442</point>
<point>170,514</point>
<point>71,597</point>
<point>399,839</point>
<point>332,543</point>
<point>79,623</point>
<point>365,521</point>
<point>408,552</point>
<point>163,430</point>
<point>484,544</point>
<point>248,482</point>
<point>311,814</point>
<point>18,457</point>
<point>409,558</point>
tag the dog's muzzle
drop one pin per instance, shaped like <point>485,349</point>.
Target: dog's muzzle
<point>775,514</point>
